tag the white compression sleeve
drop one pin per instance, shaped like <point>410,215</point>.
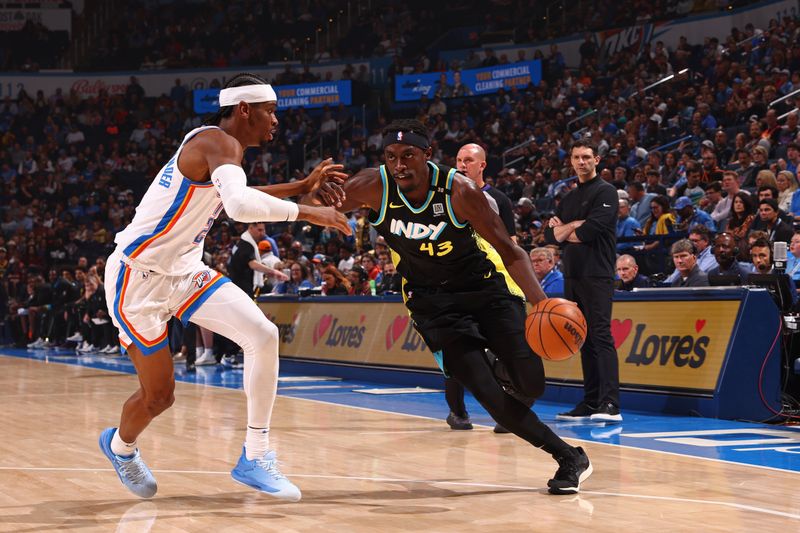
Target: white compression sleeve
<point>245,204</point>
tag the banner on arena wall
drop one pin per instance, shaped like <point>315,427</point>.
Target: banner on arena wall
<point>154,83</point>
<point>660,345</point>
<point>308,96</point>
<point>52,19</point>
<point>379,333</point>
<point>468,82</point>
<point>695,28</point>
<point>669,345</point>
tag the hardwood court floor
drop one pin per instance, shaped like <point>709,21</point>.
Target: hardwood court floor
<point>359,470</point>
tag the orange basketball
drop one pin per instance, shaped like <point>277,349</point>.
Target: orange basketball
<point>555,329</point>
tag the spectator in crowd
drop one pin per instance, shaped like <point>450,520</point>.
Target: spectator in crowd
<point>661,222</point>
<point>684,255</point>
<point>700,236</point>
<point>628,274</point>
<point>741,218</point>
<point>334,283</point>
<point>689,216</point>
<point>99,334</point>
<point>694,187</point>
<point>793,258</point>
<point>712,198</point>
<point>640,202</point>
<point>369,264</point>
<point>770,222</point>
<point>359,281</point>
<point>298,279</point>
<point>391,281</point>
<point>550,278</point>
<point>721,212</point>
<point>787,186</point>
<point>264,283</point>
<point>346,259</point>
<point>627,226</point>
<point>726,253</point>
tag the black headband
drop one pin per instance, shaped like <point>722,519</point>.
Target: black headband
<point>406,137</point>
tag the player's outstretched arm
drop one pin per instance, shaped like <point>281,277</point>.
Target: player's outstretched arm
<point>364,189</point>
<point>469,204</point>
<point>327,178</point>
<point>219,155</point>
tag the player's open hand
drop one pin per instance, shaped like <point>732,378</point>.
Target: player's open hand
<point>326,216</point>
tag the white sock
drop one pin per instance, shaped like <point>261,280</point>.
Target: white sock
<point>122,448</point>
<point>257,442</point>
<point>208,352</point>
<point>198,352</point>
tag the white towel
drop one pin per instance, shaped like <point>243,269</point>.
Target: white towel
<point>258,277</point>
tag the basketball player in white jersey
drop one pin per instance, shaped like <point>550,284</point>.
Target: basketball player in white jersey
<point>156,272</point>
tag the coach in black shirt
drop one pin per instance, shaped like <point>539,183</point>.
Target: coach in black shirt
<point>585,225</point>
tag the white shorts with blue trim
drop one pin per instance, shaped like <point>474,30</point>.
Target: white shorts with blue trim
<point>141,302</point>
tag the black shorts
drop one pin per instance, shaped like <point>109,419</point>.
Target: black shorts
<point>488,317</point>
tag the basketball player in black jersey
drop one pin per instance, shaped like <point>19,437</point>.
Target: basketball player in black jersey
<point>464,283</point>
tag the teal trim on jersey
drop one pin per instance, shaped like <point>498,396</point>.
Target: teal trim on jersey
<point>384,196</point>
<point>439,357</point>
<point>434,180</point>
<point>449,187</point>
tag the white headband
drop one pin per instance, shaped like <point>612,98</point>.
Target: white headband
<point>247,93</point>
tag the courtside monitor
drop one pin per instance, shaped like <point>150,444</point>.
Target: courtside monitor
<point>724,280</point>
<point>778,286</point>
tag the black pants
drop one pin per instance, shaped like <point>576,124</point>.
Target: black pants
<point>462,325</point>
<point>454,391</point>
<point>598,355</point>
<point>467,364</point>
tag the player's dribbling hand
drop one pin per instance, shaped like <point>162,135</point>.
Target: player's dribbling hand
<point>330,193</point>
<point>325,183</point>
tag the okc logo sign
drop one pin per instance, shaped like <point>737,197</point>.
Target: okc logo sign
<point>678,350</point>
<point>201,278</point>
<point>402,327</point>
<point>339,335</point>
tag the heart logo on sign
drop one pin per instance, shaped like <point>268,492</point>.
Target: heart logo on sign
<point>322,326</point>
<point>698,325</point>
<point>395,330</point>
<point>620,330</point>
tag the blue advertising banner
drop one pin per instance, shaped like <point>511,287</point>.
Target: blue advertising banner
<point>308,95</point>
<point>206,101</point>
<point>455,84</point>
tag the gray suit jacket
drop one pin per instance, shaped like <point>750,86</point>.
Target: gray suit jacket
<point>697,278</point>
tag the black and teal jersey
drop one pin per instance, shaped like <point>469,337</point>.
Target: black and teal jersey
<point>430,246</point>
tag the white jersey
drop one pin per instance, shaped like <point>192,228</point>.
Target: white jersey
<point>171,222</point>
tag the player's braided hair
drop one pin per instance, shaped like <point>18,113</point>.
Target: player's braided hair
<point>405,124</point>
<point>240,80</point>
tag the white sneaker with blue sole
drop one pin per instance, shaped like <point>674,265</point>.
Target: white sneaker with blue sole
<point>262,474</point>
<point>132,471</point>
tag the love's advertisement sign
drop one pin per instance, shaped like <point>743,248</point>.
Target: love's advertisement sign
<point>374,333</point>
<point>660,345</point>
<point>670,345</point>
